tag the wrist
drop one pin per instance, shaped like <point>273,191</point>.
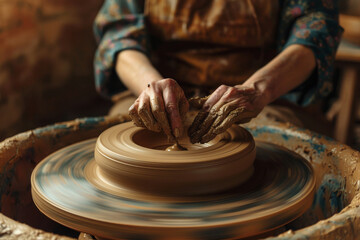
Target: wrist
<point>263,87</point>
<point>135,70</point>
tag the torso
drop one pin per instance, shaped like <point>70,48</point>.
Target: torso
<point>212,42</point>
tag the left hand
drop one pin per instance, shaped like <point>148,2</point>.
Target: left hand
<point>224,107</point>
<point>161,107</point>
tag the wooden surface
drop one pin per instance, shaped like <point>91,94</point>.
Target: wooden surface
<point>351,24</point>
<point>347,104</point>
<point>348,60</point>
<point>348,52</point>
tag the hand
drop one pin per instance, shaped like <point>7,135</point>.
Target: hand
<point>161,106</point>
<point>224,107</point>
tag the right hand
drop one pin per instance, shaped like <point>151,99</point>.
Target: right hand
<point>226,106</point>
<point>162,106</point>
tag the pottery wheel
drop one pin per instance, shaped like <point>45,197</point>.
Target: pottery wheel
<point>123,195</point>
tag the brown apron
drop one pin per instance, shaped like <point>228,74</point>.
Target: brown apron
<point>211,42</point>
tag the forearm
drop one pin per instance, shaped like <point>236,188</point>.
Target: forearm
<point>285,72</point>
<point>135,70</point>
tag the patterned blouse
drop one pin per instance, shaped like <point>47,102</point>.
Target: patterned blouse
<point>120,25</point>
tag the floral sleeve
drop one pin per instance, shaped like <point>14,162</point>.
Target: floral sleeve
<point>313,23</point>
<point>119,25</point>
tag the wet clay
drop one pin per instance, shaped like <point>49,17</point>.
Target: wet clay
<point>130,156</point>
<point>175,147</point>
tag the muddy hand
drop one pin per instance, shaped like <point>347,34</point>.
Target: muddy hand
<point>198,102</point>
<point>224,107</point>
<point>160,107</point>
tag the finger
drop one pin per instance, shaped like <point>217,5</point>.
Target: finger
<point>133,112</point>
<point>214,97</point>
<point>202,115</point>
<point>236,116</point>
<point>184,108</point>
<point>144,112</point>
<point>214,131</point>
<point>158,110</point>
<point>205,126</point>
<point>172,109</point>
<point>208,137</point>
<point>224,112</point>
<point>233,117</point>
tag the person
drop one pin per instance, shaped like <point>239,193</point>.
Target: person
<point>241,55</point>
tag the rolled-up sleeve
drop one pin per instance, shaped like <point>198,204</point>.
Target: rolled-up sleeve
<point>118,26</point>
<point>312,23</point>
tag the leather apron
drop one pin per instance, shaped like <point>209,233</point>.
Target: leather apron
<point>211,42</point>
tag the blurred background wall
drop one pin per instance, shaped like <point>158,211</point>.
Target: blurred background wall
<point>351,7</point>
<point>46,70</point>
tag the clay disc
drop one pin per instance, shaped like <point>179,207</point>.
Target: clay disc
<point>133,158</point>
<point>280,190</point>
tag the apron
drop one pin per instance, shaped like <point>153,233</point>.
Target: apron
<point>211,42</point>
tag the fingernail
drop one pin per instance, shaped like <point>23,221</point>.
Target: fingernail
<point>207,138</point>
<point>177,132</point>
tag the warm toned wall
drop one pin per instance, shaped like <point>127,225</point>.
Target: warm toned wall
<point>46,71</point>
<point>351,7</point>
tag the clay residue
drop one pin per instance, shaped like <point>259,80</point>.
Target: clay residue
<point>175,147</point>
<point>12,230</point>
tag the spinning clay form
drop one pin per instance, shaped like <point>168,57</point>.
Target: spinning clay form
<point>124,185</point>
